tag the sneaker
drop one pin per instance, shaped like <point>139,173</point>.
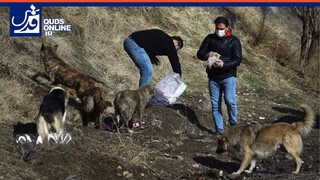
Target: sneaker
<point>233,124</point>
<point>215,134</point>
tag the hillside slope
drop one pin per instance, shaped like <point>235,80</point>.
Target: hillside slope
<point>175,143</point>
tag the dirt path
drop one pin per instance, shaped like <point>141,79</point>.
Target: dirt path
<point>175,143</point>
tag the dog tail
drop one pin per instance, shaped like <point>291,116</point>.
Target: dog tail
<point>116,105</point>
<point>305,126</point>
<point>89,104</point>
<point>94,100</point>
<point>100,99</point>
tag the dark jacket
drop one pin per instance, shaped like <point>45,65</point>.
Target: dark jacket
<point>156,42</point>
<point>231,54</point>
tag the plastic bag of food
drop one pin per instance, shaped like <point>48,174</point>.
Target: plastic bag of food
<point>168,90</point>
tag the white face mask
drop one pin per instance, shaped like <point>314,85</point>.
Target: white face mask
<point>220,33</point>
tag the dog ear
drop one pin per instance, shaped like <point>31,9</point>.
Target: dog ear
<point>68,92</point>
<point>42,47</point>
<point>55,47</point>
<point>151,89</point>
<point>224,139</point>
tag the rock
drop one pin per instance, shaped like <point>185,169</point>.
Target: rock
<point>233,176</point>
<point>72,177</point>
<point>198,173</point>
<point>195,165</point>
<point>180,158</point>
<point>125,173</point>
<point>130,175</point>
<point>119,171</point>
<point>179,143</point>
<point>42,80</point>
<point>260,169</point>
<point>220,173</point>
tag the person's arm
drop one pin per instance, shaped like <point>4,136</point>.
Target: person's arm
<point>203,52</point>
<point>155,60</point>
<point>236,56</point>
<point>174,61</point>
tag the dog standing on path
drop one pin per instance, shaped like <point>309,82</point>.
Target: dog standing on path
<point>259,142</point>
<point>128,102</point>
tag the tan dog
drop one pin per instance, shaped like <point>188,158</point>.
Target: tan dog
<point>52,114</point>
<point>259,142</point>
<point>93,99</point>
<point>128,102</point>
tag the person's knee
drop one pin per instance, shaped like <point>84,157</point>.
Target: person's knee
<point>150,72</point>
<point>230,102</point>
<point>147,74</point>
<point>215,105</point>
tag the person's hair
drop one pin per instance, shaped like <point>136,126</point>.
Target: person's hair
<point>180,41</point>
<point>222,20</point>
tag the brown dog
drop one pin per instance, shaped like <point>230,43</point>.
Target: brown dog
<point>128,102</point>
<point>261,141</point>
<point>93,99</point>
<point>94,102</point>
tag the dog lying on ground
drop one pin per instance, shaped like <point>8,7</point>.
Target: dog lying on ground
<point>52,114</point>
<point>259,142</point>
<point>129,102</point>
<point>93,99</point>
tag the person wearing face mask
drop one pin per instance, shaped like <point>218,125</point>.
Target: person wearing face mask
<point>144,46</point>
<point>222,75</point>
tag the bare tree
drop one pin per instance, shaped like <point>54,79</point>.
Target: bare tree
<point>310,17</point>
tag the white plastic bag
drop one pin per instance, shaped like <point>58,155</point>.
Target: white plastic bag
<point>212,59</point>
<point>168,90</point>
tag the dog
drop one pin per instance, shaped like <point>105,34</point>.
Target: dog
<point>52,113</point>
<point>94,102</point>
<point>93,99</point>
<point>259,142</point>
<point>129,102</point>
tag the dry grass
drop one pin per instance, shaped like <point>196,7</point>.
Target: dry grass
<point>17,102</point>
<point>95,47</point>
<point>273,45</point>
<point>95,44</point>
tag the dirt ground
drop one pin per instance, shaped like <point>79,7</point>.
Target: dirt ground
<point>175,143</point>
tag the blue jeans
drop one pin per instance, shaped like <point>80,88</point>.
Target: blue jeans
<point>228,86</point>
<point>141,59</point>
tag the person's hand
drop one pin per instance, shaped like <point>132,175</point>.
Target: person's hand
<point>155,60</point>
<point>212,54</point>
<point>209,54</point>
<point>218,63</point>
